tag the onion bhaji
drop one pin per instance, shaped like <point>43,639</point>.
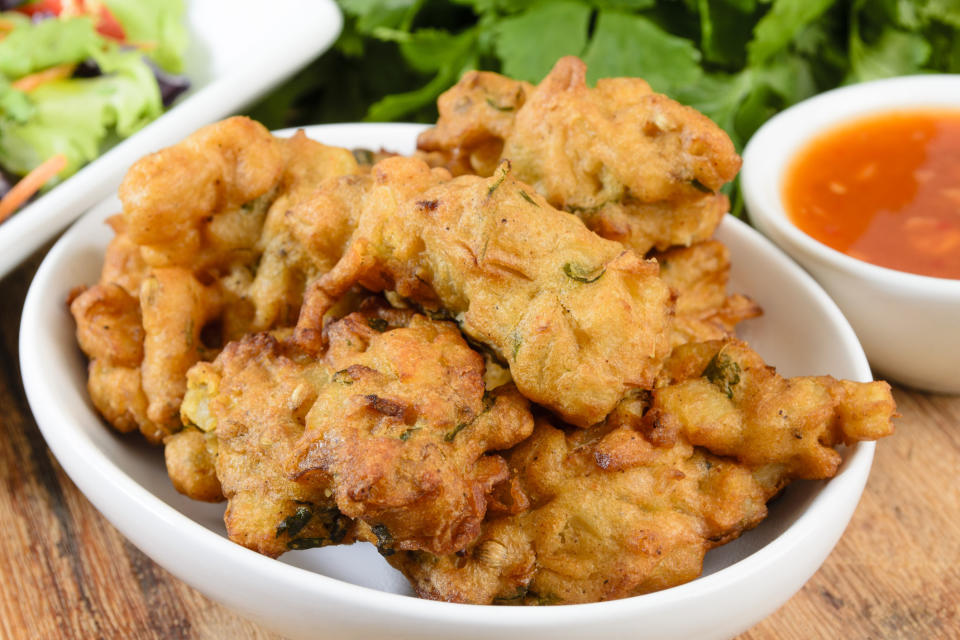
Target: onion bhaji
<point>632,506</point>
<point>210,246</point>
<point>528,282</point>
<point>636,166</point>
<point>392,426</point>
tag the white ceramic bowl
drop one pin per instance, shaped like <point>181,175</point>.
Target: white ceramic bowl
<point>238,50</point>
<point>909,324</point>
<point>350,592</point>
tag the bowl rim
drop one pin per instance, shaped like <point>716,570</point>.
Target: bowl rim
<point>88,465</point>
<point>766,155</point>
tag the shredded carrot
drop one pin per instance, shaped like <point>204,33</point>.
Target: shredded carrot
<point>34,80</point>
<point>6,26</point>
<point>30,184</point>
<point>145,45</point>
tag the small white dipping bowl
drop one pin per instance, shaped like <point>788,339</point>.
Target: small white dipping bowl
<point>908,324</point>
<point>349,591</point>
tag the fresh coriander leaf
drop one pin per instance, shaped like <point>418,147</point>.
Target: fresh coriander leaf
<point>725,25</point>
<point>430,50</point>
<point>498,6</point>
<point>719,97</point>
<point>945,49</point>
<point>527,56</point>
<point>294,524</point>
<point>724,372</point>
<point>628,45</point>
<point>944,11</point>
<point>628,5</point>
<point>394,107</point>
<point>372,14</point>
<point>902,13</point>
<point>479,6</point>
<point>777,28</point>
<point>824,45</point>
<point>757,107</point>
<point>894,53</point>
<point>788,76</point>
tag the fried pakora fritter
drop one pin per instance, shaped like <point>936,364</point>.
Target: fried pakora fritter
<point>401,433</point>
<point>637,167</point>
<point>567,264</point>
<point>391,426</point>
<point>252,402</point>
<point>190,456</point>
<point>110,332</point>
<point>211,245</point>
<point>529,283</point>
<point>698,276</point>
<point>633,505</point>
<point>738,406</point>
<point>476,116</point>
<point>610,516</point>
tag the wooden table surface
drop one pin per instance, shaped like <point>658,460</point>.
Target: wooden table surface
<point>67,573</point>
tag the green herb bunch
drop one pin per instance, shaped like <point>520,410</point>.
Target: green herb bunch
<point>737,61</point>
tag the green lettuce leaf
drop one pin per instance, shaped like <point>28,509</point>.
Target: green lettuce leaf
<point>159,23</point>
<point>74,117</point>
<point>15,106</point>
<point>33,47</point>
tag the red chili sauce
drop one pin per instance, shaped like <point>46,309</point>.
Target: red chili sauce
<point>884,189</point>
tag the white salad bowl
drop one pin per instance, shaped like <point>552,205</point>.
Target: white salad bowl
<point>238,51</point>
<point>909,324</point>
<point>350,592</point>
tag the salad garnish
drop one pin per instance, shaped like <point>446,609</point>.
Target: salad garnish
<point>76,76</point>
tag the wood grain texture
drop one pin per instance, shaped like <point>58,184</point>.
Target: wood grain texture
<point>66,573</point>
